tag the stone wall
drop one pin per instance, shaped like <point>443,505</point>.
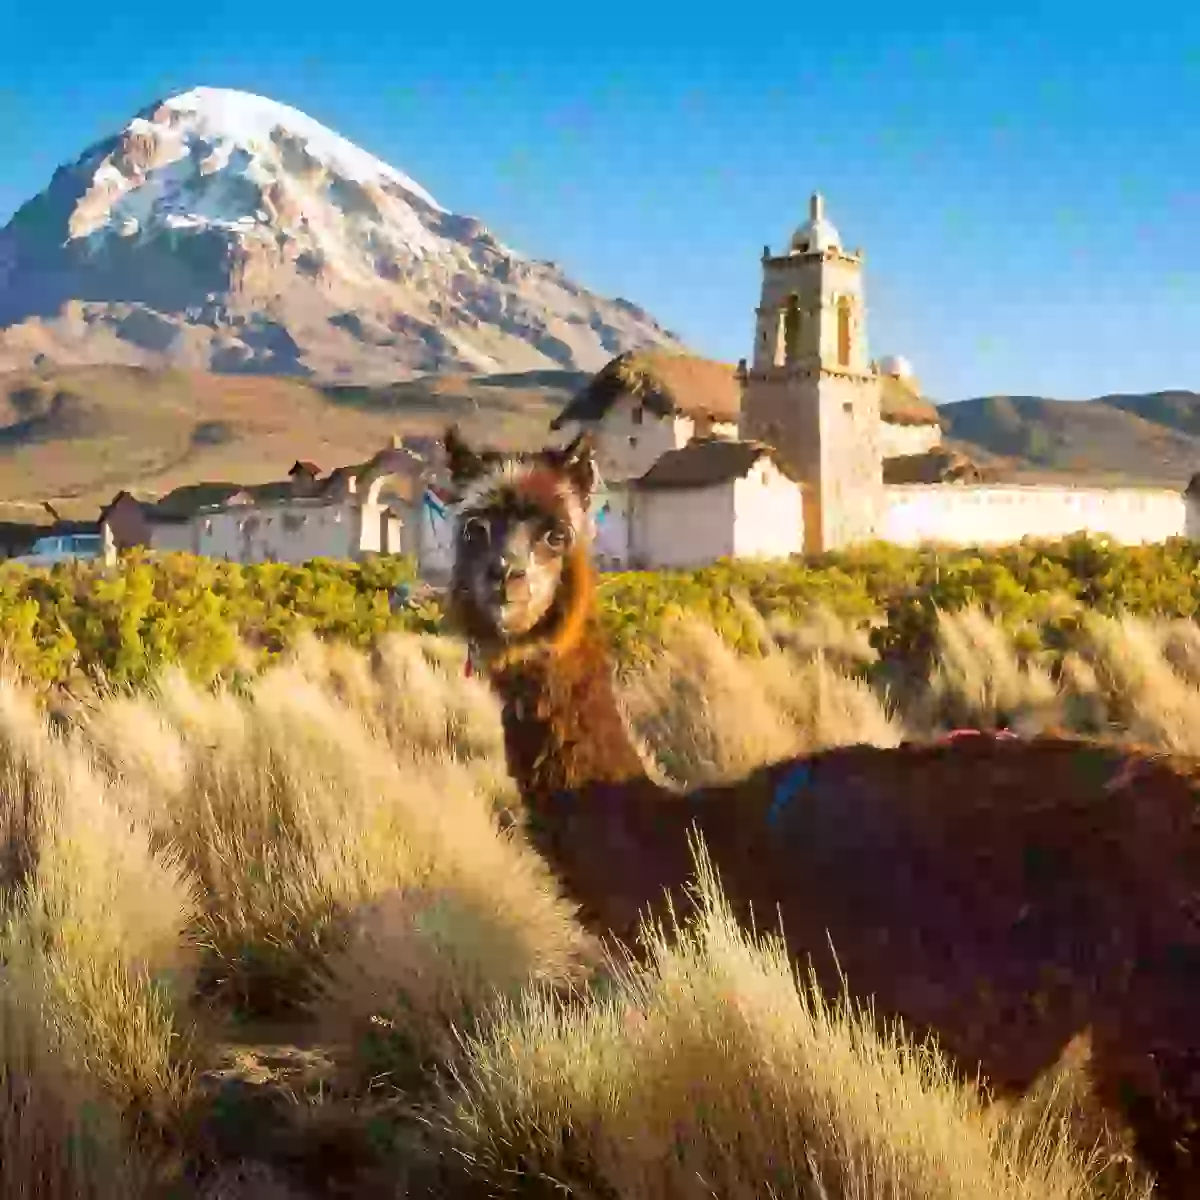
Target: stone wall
<point>851,475</point>
<point>966,514</point>
<point>819,283</point>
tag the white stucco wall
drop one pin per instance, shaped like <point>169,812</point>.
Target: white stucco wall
<point>681,527</point>
<point>294,532</point>
<point>769,514</point>
<point>967,514</point>
<point>626,449</point>
<point>896,440</point>
<point>173,537</point>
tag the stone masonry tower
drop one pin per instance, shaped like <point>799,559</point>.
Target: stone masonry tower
<point>811,391</point>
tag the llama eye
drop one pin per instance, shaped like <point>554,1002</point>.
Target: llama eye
<point>558,538</point>
<point>475,530</point>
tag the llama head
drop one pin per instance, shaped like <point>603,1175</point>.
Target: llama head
<point>521,579</point>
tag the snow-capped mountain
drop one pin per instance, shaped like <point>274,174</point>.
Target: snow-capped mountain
<point>223,230</point>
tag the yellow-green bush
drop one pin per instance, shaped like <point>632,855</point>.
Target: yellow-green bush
<point>211,617</point>
<point>217,618</point>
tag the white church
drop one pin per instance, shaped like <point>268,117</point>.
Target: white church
<point>812,445</point>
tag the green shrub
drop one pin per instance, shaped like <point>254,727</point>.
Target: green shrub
<point>211,617</point>
<point>216,618</point>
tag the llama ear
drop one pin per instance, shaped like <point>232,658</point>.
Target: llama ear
<point>465,464</point>
<point>578,462</point>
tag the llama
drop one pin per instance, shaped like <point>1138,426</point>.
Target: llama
<point>1002,895</point>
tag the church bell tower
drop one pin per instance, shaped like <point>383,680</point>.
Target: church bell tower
<point>810,390</point>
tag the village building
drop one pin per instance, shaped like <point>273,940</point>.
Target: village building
<point>387,505</point>
<point>846,449</point>
<point>715,498</point>
<point>809,445</point>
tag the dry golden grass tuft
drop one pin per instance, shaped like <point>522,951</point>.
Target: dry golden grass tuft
<point>707,714</point>
<point>58,1139</point>
<point>326,845</point>
<point>1147,674</point>
<point>93,919</point>
<point>713,1070</point>
<point>299,818</point>
<point>980,681</point>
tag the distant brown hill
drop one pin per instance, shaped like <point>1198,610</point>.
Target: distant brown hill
<point>75,437</point>
<point>1150,437</point>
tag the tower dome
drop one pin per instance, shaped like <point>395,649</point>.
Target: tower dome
<point>818,233</point>
<point>897,366</point>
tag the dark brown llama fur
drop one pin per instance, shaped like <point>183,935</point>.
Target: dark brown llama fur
<point>1004,896</point>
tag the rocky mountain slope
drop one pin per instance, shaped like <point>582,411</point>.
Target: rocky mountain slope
<point>223,231</point>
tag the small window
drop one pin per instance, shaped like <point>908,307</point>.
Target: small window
<point>848,406</point>
<point>633,440</point>
<point>637,415</point>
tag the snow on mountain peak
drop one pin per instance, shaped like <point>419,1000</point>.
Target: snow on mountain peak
<point>250,121</point>
<point>220,158</point>
<point>226,229</point>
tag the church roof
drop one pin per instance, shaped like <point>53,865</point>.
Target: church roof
<point>703,462</point>
<point>901,402</point>
<point>664,382</point>
<point>684,384</point>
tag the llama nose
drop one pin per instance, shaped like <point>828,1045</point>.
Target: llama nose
<point>506,571</point>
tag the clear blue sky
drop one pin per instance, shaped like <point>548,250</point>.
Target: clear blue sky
<point>1027,187</point>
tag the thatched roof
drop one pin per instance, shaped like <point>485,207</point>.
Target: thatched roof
<point>665,383</point>
<point>703,462</point>
<point>901,403</point>
<point>938,465</point>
